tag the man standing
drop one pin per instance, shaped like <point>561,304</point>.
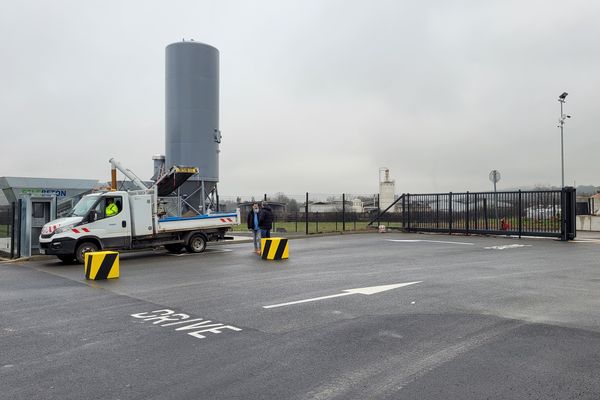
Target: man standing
<point>265,220</point>
<point>253,225</point>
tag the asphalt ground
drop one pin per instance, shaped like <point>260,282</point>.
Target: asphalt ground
<point>492,318</point>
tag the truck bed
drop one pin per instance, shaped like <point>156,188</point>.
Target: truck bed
<point>202,221</point>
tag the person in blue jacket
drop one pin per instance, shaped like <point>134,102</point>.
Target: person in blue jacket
<point>254,226</point>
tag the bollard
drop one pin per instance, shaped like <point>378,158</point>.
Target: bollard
<point>101,265</point>
<point>274,249</point>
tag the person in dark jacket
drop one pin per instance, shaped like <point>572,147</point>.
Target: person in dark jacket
<point>265,220</point>
<point>253,225</point>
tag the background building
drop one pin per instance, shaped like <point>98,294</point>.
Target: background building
<point>38,201</point>
<point>387,188</point>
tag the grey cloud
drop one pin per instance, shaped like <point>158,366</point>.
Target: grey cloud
<point>315,95</point>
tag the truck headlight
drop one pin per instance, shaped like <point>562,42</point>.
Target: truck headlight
<point>64,228</point>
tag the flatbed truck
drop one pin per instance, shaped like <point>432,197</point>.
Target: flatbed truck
<point>140,223</point>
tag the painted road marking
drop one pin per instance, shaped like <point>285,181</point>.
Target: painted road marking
<point>585,241</point>
<point>198,326</point>
<point>366,290</point>
<point>508,246</point>
<point>427,241</point>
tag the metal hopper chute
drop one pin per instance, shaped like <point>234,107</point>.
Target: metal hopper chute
<point>173,179</point>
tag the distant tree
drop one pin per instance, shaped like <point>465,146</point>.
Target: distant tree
<point>292,206</point>
<point>281,197</point>
<point>586,190</point>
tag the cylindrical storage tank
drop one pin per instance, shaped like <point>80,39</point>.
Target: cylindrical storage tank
<point>386,194</point>
<point>192,108</point>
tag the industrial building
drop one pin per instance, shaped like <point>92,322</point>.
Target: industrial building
<point>387,188</point>
<point>37,201</point>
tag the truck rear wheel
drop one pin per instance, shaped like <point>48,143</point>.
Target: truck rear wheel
<point>174,247</point>
<point>196,244</point>
<point>83,248</point>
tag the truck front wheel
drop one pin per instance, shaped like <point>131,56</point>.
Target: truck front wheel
<point>196,244</point>
<point>83,248</point>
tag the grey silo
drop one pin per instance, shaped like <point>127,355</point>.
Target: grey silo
<point>192,108</point>
<point>192,134</point>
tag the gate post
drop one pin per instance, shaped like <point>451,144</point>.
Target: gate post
<point>563,230</point>
<point>13,208</point>
<point>306,214</point>
<point>568,213</point>
<point>343,212</point>
<point>467,214</point>
<point>485,214</point>
<point>403,212</point>
<point>520,214</point>
<point>450,213</point>
<point>20,226</point>
<point>476,213</point>
<point>408,210</point>
<point>437,211</point>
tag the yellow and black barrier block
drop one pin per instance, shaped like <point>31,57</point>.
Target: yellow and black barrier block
<point>101,265</point>
<point>274,248</point>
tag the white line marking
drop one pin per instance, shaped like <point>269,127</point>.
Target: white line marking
<point>508,246</point>
<point>585,241</point>
<point>366,290</point>
<point>308,300</point>
<point>427,241</point>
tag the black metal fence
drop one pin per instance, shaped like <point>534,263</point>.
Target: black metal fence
<point>310,213</point>
<point>8,233</point>
<point>548,213</point>
<point>319,222</point>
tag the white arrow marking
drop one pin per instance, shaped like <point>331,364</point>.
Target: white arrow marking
<point>427,241</point>
<point>365,290</point>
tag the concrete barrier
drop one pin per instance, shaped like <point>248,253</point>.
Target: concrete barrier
<point>274,249</point>
<point>588,223</point>
<point>101,265</point>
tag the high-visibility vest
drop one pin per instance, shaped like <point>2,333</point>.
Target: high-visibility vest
<point>111,210</point>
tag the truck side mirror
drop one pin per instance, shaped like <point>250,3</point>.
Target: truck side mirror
<point>93,216</point>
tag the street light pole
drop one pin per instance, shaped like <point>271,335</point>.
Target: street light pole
<point>561,100</point>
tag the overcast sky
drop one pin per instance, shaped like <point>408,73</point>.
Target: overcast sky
<point>315,95</point>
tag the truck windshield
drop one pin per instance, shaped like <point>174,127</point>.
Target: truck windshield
<point>83,206</point>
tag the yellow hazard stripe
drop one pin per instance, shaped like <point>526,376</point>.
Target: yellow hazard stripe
<point>101,265</point>
<point>274,248</point>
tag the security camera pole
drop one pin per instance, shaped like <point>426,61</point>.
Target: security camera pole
<point>561,99</point>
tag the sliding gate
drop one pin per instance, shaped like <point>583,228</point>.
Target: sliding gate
<point>548,213</point>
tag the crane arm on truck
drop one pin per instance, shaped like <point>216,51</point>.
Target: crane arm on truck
<point>116,165</point>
